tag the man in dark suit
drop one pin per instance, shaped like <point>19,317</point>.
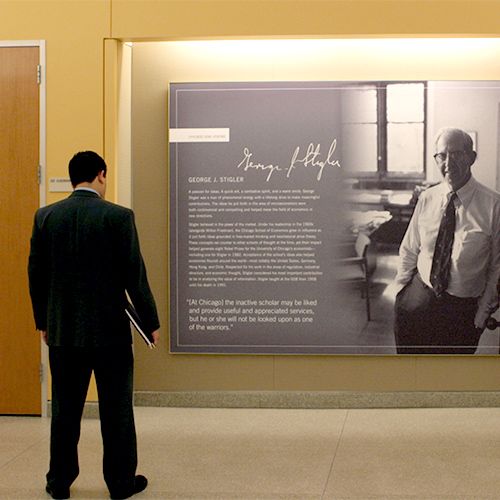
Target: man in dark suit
<point>84,257</point>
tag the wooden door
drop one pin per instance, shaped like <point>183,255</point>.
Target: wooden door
<point>20,351</point>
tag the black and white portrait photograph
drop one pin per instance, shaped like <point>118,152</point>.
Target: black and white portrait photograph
<point>356,217</point>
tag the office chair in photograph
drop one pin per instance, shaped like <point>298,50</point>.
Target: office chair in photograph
<point>355,269</point>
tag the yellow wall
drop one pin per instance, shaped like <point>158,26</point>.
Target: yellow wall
<point>169,19</point>
<point>81,76</point>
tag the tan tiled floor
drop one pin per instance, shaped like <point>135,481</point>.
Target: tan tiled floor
<point>242,454</point>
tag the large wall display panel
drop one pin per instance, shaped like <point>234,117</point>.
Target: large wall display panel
<point>276,187</point>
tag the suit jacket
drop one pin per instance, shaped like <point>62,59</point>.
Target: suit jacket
<point>84,255</point>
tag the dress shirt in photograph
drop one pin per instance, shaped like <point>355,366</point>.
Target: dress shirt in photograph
<point>475,261</point>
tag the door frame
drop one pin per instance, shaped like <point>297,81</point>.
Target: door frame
<point>42,180</point>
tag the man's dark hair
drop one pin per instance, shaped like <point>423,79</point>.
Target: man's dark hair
<point>85,166</point>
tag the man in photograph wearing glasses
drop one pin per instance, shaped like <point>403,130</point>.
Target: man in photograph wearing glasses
<point>449,262</point>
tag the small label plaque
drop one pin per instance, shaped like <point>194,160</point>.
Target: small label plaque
<point>60,185</point>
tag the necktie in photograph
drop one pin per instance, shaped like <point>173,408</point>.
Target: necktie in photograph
<point>441,261</point>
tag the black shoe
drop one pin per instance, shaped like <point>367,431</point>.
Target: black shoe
<point>140,483</point>
<point>57,493</point>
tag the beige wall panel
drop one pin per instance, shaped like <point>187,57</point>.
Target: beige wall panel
<point>160,372</point>
<point>345,373</point>
<point>452,373</point>
<point>178,19</point>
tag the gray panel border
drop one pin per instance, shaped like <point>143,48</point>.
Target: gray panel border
<point>317,399</point>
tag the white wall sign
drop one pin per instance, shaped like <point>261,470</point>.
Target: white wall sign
<point>60,185</point>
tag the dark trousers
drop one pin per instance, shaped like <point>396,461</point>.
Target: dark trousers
<point>71,369</point>
<point>427,324</point>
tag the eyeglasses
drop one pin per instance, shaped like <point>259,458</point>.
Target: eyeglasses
<point>453,155</point>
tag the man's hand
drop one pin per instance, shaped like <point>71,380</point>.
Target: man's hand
<point>156,337</point>
<point>44,336</point>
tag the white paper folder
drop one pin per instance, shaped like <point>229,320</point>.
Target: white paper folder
<point>136,321</point>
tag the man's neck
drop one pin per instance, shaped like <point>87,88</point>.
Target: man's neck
<point>95,185</point>
<point>81,187</point>
<point>460,186</point>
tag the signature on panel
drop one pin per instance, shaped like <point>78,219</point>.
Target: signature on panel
<point>313,158</point>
